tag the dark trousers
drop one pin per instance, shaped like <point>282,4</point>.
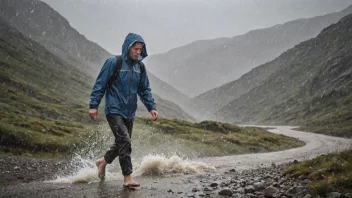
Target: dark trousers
<point>122,130</point>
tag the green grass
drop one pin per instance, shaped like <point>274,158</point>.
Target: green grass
<point>327,173</point>
<point>337,123</point>
<point>211,138</point>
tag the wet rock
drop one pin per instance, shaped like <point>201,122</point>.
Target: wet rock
<point>16,168</point>
<point>298,195</point>
<point>291,190</point>
<point>334,195</point>
<point>306,181</point>
<point>249,189</point>
<point>226,192</point>
<point>207,189</point>
<point>251,195</point>
<point>276,195</point>
<point>239,190</point>
<point>258,186</point>
<point>308,196</point>
<point>270,191</point>
<point>223,184</point>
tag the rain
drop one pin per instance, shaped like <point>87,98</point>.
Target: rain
<point>166,98</point>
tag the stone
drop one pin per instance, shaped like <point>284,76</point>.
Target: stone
<point>195,190</point>
<point>214,184</point>
<point>258,186</point>
<point>308,196</point>
<point>249,189</point>
<point>306,181</point>
<point>333,195</point>
<point>207,189</point>
<point>300,189</point>
<point>291,190</point>
<point>270,191</point>
<point>226,192</point>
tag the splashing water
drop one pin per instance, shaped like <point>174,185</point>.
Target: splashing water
<point>157,165</point>
<point>153,154</point>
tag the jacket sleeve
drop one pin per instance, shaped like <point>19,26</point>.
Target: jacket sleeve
<point>99,87</point>
<point>145,93</point>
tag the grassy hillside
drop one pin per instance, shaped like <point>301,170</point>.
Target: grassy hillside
<point>42,97</point>
<point>210,138</point>
<point>327,173</point>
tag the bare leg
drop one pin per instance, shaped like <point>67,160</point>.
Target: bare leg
<point>101,164</point>
<point>129,182</point>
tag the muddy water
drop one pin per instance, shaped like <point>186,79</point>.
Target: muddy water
<point>178,173</point>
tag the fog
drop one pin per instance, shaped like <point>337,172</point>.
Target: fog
<point>166,24</point>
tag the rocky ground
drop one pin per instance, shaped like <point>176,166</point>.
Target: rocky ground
<point>16,169</point>
<point>262,182</point>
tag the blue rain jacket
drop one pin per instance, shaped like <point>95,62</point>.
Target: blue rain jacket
<point>121,96</point>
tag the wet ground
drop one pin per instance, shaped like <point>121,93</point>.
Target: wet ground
<point>230,173</point>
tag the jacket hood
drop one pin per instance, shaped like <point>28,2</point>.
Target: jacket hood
<point>130,39</point>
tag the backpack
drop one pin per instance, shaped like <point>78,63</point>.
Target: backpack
<point>115,75</point>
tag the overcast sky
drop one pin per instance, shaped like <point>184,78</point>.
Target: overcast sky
<point>166,24</point>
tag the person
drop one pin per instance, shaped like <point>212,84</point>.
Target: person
<point>121,102</point>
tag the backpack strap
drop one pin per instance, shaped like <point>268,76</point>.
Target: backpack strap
<point>141,67</point>
<point>115,75</point>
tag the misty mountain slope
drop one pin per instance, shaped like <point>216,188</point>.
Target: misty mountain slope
<point>166,109</point>
<point>168,92</point>
<point>207,103</point>
<point>41,96</point>
<point>313,82</point>
<point>225,61</point>
<point>41,23</point>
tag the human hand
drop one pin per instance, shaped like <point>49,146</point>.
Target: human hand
<point>93,113</point>
<point>155,114</point>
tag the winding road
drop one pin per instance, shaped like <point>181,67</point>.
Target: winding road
<point>316,144</point>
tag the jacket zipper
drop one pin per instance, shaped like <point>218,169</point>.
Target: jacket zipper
<point>131,78</point>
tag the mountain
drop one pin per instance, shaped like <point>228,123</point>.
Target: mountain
<point>168,92</point>
<point>39,22</point>
<point>207,103</point>
<point>41,95</point>
<point>312,83</point>
<point>203,65</point>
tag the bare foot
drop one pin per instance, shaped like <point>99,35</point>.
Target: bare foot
<point>129,182</point>
<point>101,164</point>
